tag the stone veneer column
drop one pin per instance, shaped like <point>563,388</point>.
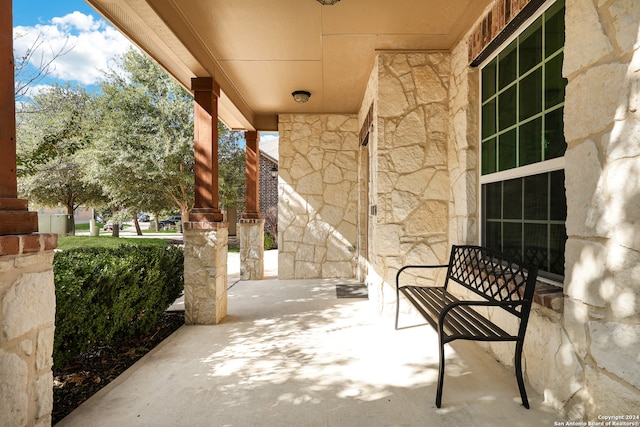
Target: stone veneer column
<point>205,272</point>
<point>27,323</point>
<point>205,235</point>
<point>464,134</point>
<point>412,186</point>
<point>27,290</point>
<point>251,232</point>
<point>252,225</point>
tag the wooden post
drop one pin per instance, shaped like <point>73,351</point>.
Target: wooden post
<point>206,94</point>
<point>8,183</point>
<point>14,215</point>
<point>252,172</point>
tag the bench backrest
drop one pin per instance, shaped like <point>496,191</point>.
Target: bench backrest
<point>493,276</point>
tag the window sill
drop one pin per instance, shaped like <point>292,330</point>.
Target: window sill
<point>549,296</point>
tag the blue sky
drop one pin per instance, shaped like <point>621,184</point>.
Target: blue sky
<point>32,12</point>
<point>69,26</point>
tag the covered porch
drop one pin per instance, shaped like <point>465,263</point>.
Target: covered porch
<point>426,121</point>
<point>291,353</point>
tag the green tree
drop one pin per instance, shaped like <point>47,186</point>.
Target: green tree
<point>129,147</point>
<point>145,161</point>
<point>55,123</point>
<point>231,167</point>
<point>146,158</point>
<point>53,131</point>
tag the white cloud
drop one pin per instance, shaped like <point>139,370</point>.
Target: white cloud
<point>268,137</point>
<point>30,93</point>
<point>91,44</point>
<point>37,89</point>
<point>77,20</point>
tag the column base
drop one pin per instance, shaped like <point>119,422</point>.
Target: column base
<point>251,232</point>
<point>205,272</point>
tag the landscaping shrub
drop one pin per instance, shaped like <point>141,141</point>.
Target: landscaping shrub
<point>108,294</point>
<point>269,241</point>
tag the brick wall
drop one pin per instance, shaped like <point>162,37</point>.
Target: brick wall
<point>268,192</point>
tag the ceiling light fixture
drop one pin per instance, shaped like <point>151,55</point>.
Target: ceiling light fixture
<point>327,2</point>
<point>301,96</point>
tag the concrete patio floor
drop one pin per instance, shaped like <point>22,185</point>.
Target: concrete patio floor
<point>290,353</point>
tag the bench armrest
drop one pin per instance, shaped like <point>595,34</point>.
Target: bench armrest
<point>406,267</point>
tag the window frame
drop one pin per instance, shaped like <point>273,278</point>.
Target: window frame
<point>545,166</point>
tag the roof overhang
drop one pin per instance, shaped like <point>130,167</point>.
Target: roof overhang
<point>259,51</point>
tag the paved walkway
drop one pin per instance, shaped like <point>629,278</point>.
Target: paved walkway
<point>290,353</point>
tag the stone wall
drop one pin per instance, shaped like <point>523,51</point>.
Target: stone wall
<point>27,318</point>
<point>318,192</point>
<point>464,134</point>
<point>411,178</point>
<point>602,128</point>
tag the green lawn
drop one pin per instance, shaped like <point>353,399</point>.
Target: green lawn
<point>83,227</point>
<point>69,242</point>
<point>166,230</point>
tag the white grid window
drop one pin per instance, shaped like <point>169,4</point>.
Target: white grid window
<point>522,148</point>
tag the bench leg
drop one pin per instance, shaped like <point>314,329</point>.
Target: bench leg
<point>518,363</point>
<point>440,375</point>
<point>397,308</point>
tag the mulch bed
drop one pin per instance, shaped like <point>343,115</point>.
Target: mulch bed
<point>84,376</point>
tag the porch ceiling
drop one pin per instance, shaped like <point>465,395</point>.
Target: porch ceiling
<point>259,51</point>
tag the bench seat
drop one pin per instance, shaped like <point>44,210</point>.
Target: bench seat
<point>461,322</point>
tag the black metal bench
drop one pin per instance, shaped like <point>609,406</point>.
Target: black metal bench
<point>498,281</point>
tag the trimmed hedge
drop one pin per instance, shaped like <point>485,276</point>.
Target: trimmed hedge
<point>107,294</point>
<point>269,241</point>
